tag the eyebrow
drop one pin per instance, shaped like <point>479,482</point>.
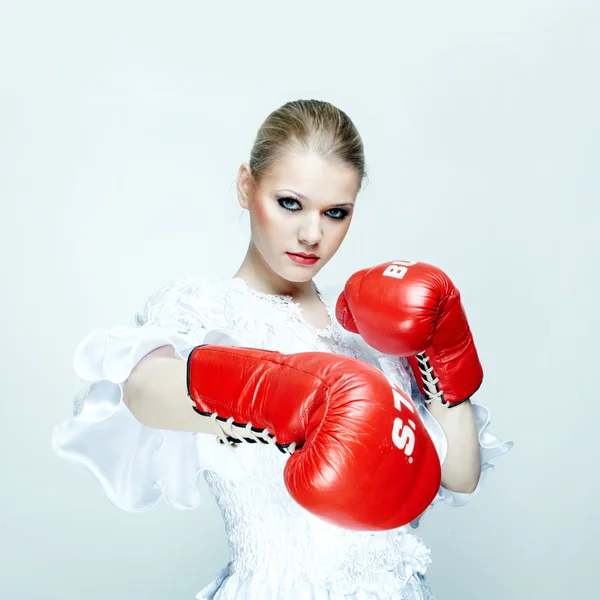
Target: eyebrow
<point>305,198</point>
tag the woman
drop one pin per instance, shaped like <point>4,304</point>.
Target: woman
<point>135,429</point>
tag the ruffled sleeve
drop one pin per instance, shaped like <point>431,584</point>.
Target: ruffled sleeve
<point>136,465</point>
<point>490,446</point>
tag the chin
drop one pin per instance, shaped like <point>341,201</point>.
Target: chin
<point>299,275</point>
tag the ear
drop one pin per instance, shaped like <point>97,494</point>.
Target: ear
<point>244,185</point>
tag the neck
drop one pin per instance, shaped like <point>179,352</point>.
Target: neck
<point>259,276</point>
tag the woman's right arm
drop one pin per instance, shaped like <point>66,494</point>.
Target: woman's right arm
<point>157,396</point>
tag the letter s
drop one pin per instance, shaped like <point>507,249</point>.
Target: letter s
<point>403,436</point>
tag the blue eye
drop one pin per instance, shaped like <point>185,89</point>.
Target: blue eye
<point>339,213</point>
<point>342,214</point>
<point>283,202</point>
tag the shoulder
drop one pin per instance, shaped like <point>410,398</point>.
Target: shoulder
<point>186,294</point>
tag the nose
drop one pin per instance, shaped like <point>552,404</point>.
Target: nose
<point>310,232</point>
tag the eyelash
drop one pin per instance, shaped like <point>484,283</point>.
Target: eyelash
<point>281,201</point>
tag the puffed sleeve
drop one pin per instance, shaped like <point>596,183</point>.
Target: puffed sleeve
<point>490,446</point>
<point>136,465</point>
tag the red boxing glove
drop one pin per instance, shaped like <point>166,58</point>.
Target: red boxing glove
<point>412,309</point>
<point>361,458</point>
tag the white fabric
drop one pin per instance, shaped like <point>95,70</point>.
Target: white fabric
<point>277,548</point>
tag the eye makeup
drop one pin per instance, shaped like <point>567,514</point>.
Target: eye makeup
<point>285,202</point>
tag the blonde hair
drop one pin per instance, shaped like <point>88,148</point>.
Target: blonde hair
<point>307,125</point>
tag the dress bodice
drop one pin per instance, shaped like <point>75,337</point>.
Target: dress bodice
<point>267,530</point>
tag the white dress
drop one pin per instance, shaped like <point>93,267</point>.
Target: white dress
<point>277,549</point>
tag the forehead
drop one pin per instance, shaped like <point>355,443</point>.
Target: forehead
<point>321,181</point>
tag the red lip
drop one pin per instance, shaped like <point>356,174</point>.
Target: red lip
<point>304,255</point>
<point>303,259</point>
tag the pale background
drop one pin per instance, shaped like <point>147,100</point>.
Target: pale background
<point>122,125</point>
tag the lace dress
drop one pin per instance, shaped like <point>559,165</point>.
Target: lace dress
<point>277,549</point>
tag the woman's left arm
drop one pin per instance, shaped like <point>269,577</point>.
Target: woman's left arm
<point>462,467</point>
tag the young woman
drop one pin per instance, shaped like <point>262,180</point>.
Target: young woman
<point>325,513</point>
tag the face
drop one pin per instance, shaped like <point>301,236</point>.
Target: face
<point>303,206</point>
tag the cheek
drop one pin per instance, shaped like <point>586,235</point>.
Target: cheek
<point>266,220</point>
<point>337,234</point>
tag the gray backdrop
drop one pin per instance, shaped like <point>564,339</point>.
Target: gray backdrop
<point>122,125</point>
